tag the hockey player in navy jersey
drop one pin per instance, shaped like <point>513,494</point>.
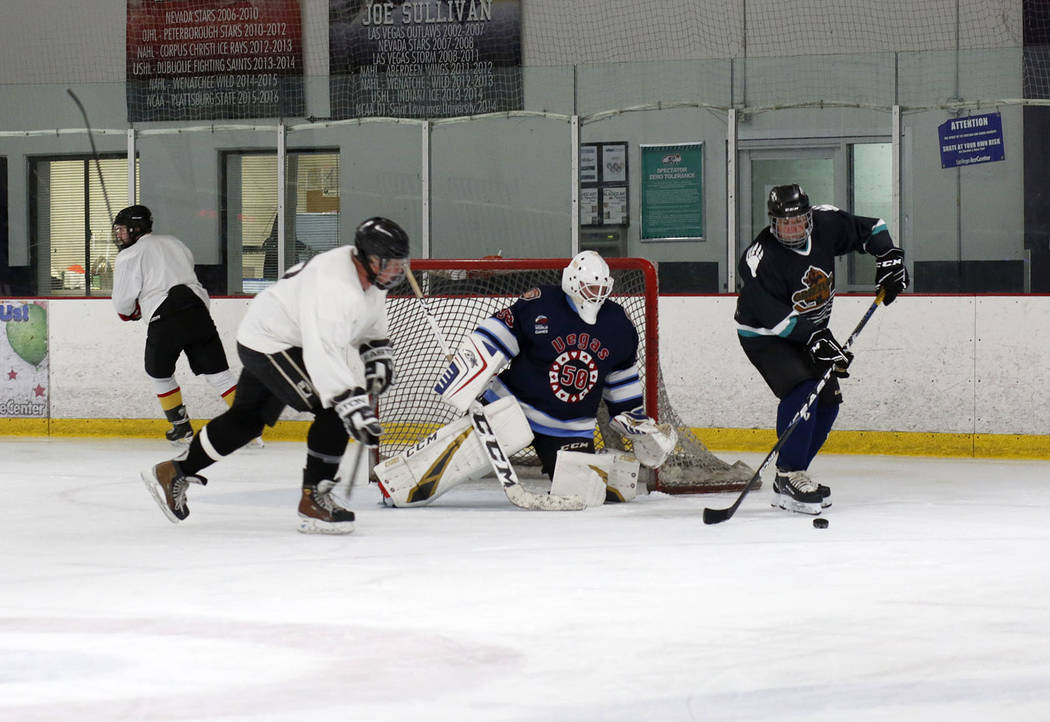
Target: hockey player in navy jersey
<point>782,314</point>
<point>563,351</point>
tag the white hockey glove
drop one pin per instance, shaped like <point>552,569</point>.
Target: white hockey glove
<point>358,417</point>
<point>378,358</point>
<point>652,442</point>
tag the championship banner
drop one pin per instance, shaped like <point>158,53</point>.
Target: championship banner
<point>23,359</point>
<point>214,59</point>
<point>424,58</point>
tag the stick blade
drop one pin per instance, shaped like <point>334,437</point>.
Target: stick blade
<point>716,516</point>
<point>525,499</point>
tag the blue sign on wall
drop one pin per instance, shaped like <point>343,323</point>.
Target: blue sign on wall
<point>973,139</point>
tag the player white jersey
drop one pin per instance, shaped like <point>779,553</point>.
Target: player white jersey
<point>320,307</point>
<point>145,271</point>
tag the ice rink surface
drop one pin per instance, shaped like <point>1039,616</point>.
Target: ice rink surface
<point>927,598</point>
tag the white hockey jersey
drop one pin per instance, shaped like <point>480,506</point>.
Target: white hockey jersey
<point>145,271</point>
<point>320,307</point>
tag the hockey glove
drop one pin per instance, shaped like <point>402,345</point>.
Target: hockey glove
<point>652,443</point>
<point>891,275</point>
<point>826,351</point>
<point>378,357</point>
<point>134,315</point>
<point>358,417</point>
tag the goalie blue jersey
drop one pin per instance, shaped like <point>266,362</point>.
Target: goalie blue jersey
<point>562,368</point>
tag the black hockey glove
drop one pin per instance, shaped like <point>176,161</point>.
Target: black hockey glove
<point>358,417</point>
<point>378,357</point>
<point>826,351</point>
<point>891,275</point>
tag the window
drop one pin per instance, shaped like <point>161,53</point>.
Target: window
<point>871,194</point>
<point>73,250</point>
<point>250,212</point>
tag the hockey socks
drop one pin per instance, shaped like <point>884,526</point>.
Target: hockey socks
<point>795,452</point>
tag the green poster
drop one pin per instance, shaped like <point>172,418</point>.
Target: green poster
<point>672,192</point>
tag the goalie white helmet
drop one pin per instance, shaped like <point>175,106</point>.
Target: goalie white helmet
<point>586,281</point>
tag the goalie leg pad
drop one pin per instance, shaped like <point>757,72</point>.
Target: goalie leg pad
<point>596,477</point>
<point>451,456</point>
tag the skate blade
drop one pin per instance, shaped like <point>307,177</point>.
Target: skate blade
<point>157,492</point>
<point>786,503</point>
<point>309,525</point>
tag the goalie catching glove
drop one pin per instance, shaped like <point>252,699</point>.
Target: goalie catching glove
<point>378,358</point>
<point>652,442</point>
<point>358,417</point>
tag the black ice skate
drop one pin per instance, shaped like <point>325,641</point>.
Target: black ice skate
<point>320,513</point>
<point>167,483</point>
<point>825,491</point>
<point>795,491</point>
<point>180,433</point>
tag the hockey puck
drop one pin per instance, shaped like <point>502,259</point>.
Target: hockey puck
<point>820,523</point>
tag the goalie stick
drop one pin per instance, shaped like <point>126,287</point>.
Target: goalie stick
<point>94,152</point>
<point>508,478</point>
<point>715,516</point>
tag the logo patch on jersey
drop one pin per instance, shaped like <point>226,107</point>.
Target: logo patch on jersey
<point>506,316</point>
<point>532,294</point>
<point>816,291</point>
<point>541,324</point>
<point>572,375</point>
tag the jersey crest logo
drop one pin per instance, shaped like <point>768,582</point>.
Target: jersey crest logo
<point>506,316</point>
<point>817,291</point>
<point>572,375</point>
<point>542,324</point>
<point>532,294</point>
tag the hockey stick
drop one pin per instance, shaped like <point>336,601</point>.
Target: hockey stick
<point>517,494</point>
<point>94,152</point>
<point>352,469</point>
<point>715,516</point>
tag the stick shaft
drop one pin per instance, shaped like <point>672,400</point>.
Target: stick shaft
<point>94,152</point>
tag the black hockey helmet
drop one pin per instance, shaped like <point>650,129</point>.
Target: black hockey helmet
<point>137,219</point>
<point>790,215</point>
<point>384,241</point>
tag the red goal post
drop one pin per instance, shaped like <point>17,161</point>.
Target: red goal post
<point>462,292</point>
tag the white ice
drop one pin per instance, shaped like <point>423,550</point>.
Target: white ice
<point>927,598</point>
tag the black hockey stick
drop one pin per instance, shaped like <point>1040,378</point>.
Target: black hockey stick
<point>94,152</point>
<point>501,465</point>
<point>715,516</point>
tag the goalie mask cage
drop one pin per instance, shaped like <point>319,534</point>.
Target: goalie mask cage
<point>462,293</point>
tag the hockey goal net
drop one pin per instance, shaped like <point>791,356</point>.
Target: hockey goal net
<point>462,293</point>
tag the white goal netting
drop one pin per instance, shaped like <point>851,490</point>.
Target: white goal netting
<point>462,293</point>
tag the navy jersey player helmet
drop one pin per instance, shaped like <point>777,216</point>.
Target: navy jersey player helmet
<point>138,220</point>
<point>382,247</point>
<point>587,282</point>
<point>790,215</point>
